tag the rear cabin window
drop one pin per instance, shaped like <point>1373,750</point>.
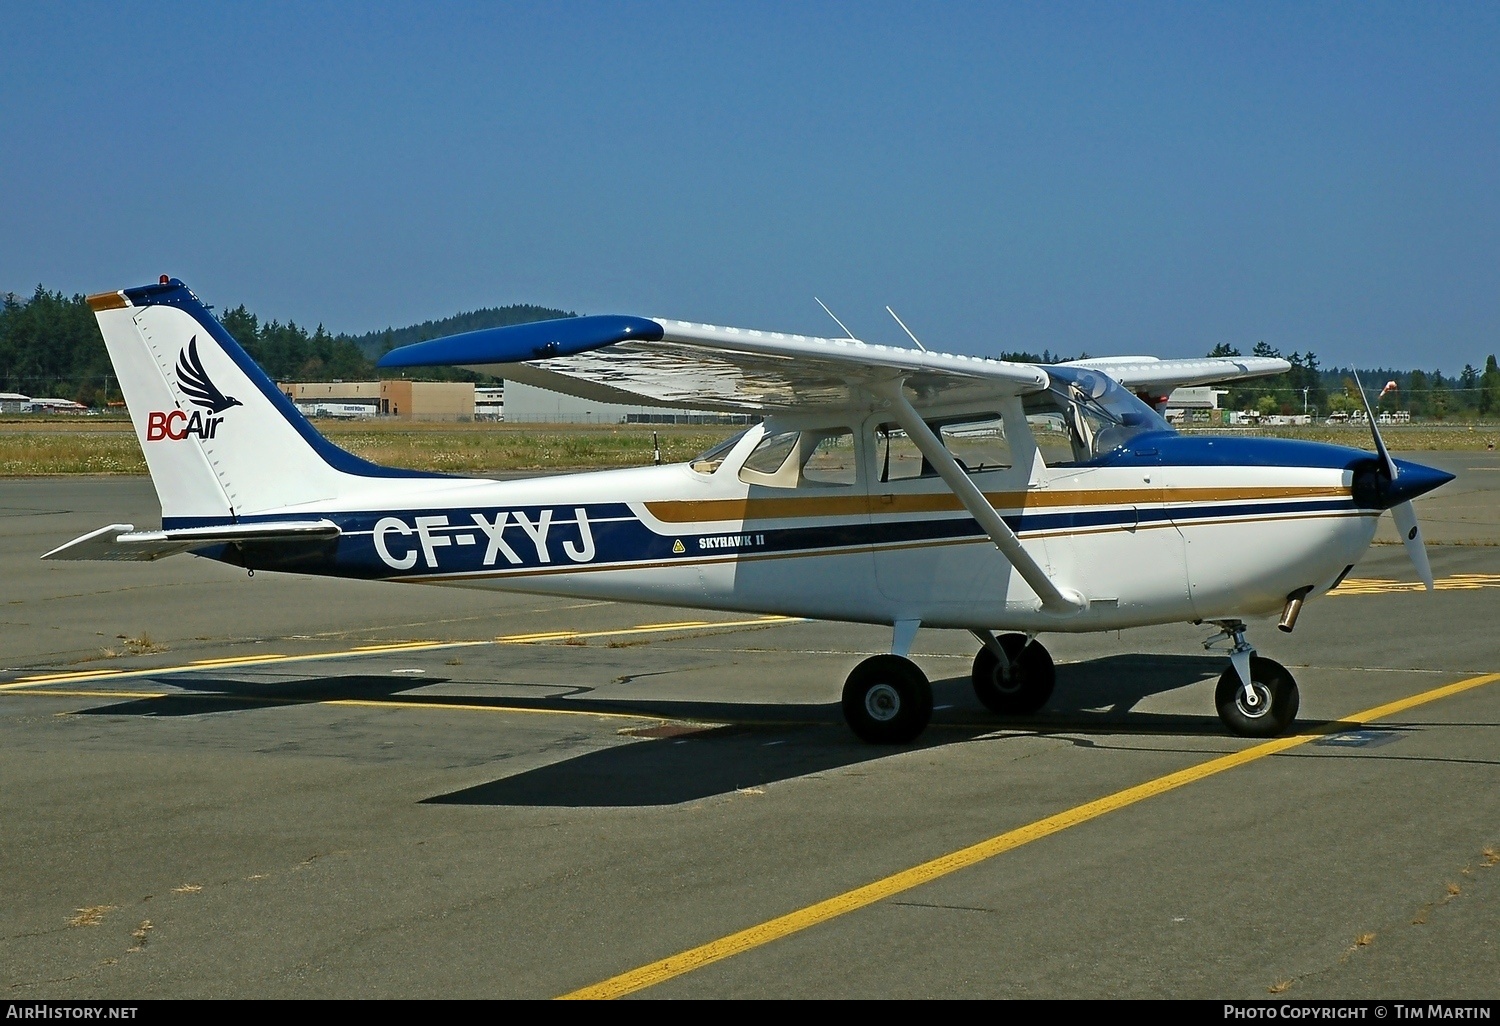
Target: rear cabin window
<point>831,460</point>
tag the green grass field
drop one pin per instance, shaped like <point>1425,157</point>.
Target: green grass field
<point>37,445</point>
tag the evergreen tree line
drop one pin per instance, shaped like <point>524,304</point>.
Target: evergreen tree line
<point>1309,388</point>
<point>50,346</point>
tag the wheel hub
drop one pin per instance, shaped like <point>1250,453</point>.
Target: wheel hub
<point>1008,683</point>
<point>1255,704</point>
<point>882,702</point>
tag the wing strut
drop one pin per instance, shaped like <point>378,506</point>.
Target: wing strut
<point>1063,601</point>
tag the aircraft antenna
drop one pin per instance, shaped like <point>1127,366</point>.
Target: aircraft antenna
<point>907,330</point>
<point>830,313</point>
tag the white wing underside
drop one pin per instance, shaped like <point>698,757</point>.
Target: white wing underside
<point>734,370</point>
<point>703,367</point>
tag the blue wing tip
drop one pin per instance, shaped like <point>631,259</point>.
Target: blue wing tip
<point>515,343</point>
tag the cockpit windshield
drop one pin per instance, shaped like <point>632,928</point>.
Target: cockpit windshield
<point>1083,414</point>
<point>708,461</point>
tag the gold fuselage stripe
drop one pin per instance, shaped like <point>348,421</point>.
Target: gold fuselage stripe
<point>690,511</point>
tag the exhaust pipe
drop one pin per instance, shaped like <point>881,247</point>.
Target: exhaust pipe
<point>1293,608</point>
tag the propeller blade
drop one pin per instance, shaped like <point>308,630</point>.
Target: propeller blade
<point>1380,449</point>
<point>1411,536</point>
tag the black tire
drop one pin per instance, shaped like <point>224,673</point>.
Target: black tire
<point>1278,700</point>
<point>1028,685</point>
<point>887,700</point>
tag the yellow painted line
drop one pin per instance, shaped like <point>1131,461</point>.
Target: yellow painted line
<point>48,678</point>
<point>1383,586</point>
<point>91,693</point>
<point>219,664</point>
<point>268,657</point>
<point>647,628</point>
<point>364,650</point>
<point>850,901</point>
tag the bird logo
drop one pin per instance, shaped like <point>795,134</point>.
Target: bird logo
<point>196,384</point>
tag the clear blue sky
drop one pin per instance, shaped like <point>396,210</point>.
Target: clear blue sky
<point>1113,177</point>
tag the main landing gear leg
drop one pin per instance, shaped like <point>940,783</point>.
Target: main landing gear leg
<point>1256,697</point>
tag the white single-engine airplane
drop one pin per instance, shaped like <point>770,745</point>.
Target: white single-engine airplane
<point>884,485</point>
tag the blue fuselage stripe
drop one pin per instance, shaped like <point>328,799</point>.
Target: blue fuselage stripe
<point>401,543</point>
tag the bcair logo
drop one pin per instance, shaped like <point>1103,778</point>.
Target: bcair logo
<point>193,381</point>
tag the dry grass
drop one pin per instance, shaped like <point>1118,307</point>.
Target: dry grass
<point>1280,987</point>
<point>109,446</point>
<point>140,934</point>
<point>93,915</point>
<point>187,889</point>
<point>24,454</point>
<point>142,644</point>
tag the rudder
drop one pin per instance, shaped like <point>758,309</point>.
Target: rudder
<point>220,439</point>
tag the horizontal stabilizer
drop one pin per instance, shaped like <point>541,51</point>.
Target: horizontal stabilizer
<point>122,542</point>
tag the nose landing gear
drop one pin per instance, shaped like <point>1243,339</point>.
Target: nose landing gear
<point>1255,697</point>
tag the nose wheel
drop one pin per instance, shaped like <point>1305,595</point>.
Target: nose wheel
<point>887,700</point>
<point>1266,707</point>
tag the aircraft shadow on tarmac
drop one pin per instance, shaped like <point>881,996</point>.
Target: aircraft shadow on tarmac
<point>715,748</point>
<point>204,695</point>
<point>764,744</point>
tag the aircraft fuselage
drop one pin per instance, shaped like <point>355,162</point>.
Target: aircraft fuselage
<point>1172,528</point>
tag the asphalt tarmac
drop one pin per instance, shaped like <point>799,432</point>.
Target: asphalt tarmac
<point>223,786</point>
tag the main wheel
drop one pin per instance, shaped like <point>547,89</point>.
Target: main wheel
<point>1274,705</point>
<point>1025,687</point>
<point>887,700</point>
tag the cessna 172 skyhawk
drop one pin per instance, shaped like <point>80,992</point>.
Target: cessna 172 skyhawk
<point>884,485</point>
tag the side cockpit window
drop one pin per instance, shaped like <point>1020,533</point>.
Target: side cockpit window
<point>791,459</point>
<point>977,441</point>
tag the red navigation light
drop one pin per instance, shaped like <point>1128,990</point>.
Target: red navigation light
<point>164,279</point>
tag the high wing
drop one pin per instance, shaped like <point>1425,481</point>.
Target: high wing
<point>1138,372</point>
<point>677,364</point>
